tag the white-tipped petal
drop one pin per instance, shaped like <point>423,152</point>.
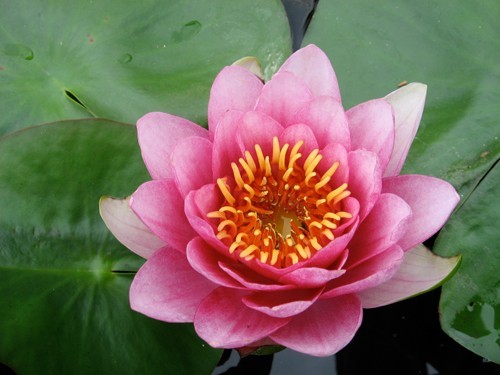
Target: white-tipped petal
<point>420,271</point>
<point>127,227</point>
<point>408,105</point>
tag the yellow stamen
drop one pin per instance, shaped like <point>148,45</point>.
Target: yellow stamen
<point>225,191</point>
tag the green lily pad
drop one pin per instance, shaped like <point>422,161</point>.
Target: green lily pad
<point>453,47</point>
<point>120,59</point>
<point>64,279</point>
<point>470,301</point>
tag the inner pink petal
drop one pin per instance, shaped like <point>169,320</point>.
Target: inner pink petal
<point>365,179</point>
<point>326,118</point>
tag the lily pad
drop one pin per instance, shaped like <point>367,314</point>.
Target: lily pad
<point>454,48</point>
<point>470,301</point>
<point>64,279</point>
<point>120,59</point>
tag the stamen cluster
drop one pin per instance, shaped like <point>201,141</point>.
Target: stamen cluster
<point>278,208</point>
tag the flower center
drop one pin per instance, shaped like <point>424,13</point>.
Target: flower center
<point>278,208</point>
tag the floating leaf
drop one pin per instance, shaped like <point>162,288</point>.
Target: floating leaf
<point>64,279</point>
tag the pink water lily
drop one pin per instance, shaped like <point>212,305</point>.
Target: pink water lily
<point>285,218</point>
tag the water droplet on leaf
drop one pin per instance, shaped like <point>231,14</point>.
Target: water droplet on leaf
<point>125,58</point>
<point>18,50</point>
<point>187,31</point>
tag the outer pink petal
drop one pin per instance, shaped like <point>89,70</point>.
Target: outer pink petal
<point>420,271</point>
<point>382,228</point>
<point>225,149</point>
<point>313,66</point>
<point>223,321</point>
<point>328,121</point>
<point>205,260</point>
<point>233,88</point>
<point>365,179</point>
<point>368,274</point>
<point>431,200</point>
<point>192,164</point>
<point>127,228</point>
<point>167,288</point>
<point>284,303</point>
<point>160,206</point>
<point>324,328</point>
<point>158,134</point>
<point>372,128</point>
<point>282,97</point>
<point>311,277</point>
<point>408,104</point>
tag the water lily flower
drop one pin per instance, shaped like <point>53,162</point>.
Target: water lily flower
<point>285,218</point>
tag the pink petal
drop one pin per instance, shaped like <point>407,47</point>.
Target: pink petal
<point>127,228</point>
<point>299,132</point>
<point>350,205</point>
<point>313,66</point>
<point>328,121</point>
<point>159,205</point>
<point>205,260</point>
<point>431,200</point>
<point>198,204</point>
<point>256,128</point>
<point>382,228</point>
<point>372,128</point>
<point>327,255</point>
<point>282,97</point>
<point>408,104</point>
<point>223,321</point>
<point>420,271</point>
<point>368,274</point>
<point>251,280</point>
<point>234,88</point>
<point>167,288</point>
<point>158,134</point>
<point>324,328</point>
<point>335,153</point>
<point>192,164</point>
<point>311,277</point>
<point>225,149</point>
<point>284,303</point>
<point>365,179</point>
